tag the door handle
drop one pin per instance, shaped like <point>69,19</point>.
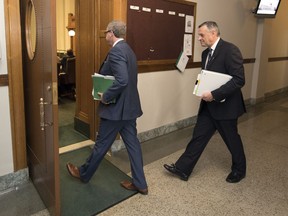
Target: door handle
<point>43,124</point>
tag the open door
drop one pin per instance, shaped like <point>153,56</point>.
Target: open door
<point>38,23</point>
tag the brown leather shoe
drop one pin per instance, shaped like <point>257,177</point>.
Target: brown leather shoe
<point>73,170</point>
<point>130,186</point>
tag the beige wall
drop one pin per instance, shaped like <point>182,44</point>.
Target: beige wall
<point>63,8</point>
<point>167,96</point>
<point>276,33</point>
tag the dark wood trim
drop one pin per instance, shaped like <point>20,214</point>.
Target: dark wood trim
<point>273,59</point>
<point>4,80</point>
<point>82,127</point>
<point>249,60</point>
<point>170,65</point>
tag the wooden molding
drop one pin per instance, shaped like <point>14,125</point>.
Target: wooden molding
<point>15,81</point>
<point>144,68</point>
<point>278,59</point>
<point>249,61</point>
<point>4,81</point>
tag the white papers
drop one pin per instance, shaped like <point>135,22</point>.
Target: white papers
<point>104,76</point>
<point>187,44</point>
<point>209,81</point>
<point>189,24</point>
<point>146,9</point>
<point>160,11</point>
<point>132,7</point>
<point>182,62</point>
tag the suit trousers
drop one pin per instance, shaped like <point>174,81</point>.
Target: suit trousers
<point>108,130</point>
<point>204,129</point>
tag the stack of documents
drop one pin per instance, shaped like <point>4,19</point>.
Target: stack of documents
<point>100,84</point>
<point>209,81</point>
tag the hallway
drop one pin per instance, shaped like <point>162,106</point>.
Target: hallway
<point>264,191</point>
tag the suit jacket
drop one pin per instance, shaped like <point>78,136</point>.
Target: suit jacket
<point>226,59</point>
<point>121,63</point>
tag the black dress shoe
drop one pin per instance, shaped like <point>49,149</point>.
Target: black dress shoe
<point>172,168</point>
<point>235,177</point>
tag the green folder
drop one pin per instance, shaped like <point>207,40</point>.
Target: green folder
<point>100,84</point>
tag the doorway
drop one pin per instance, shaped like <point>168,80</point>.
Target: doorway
<point>67,55</point>
<point>41,91</point>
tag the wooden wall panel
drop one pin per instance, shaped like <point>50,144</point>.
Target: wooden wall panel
<point>85,65</point>
<point>92,18</point>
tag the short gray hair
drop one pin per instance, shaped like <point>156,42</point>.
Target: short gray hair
<point>211,25</point>
<point>118,28</point>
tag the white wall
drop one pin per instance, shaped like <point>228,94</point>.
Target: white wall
<point>167,96</point>
<point>6,158</point>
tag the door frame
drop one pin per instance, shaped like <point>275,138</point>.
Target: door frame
<point>15,77</point>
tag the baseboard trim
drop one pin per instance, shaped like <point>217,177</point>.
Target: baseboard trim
<point>278,92</point>
<point>156,132</point>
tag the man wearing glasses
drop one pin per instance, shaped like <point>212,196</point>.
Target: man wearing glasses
<point>119,117</point>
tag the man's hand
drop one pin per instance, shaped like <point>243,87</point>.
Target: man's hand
<point>207,96</point>
<point>101,97</point>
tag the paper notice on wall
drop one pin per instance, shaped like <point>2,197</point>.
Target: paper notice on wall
<point>187,46</point>
<point>182,62</point>
<point>189,24</point>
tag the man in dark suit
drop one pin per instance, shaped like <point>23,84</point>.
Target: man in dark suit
<point>219,109</point>
<point>63,60</point>
<point>119,117</point>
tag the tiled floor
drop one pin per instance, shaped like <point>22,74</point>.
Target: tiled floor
<point>264,191</point>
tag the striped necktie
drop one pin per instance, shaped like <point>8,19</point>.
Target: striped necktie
<point>208,57</point>
<point>210,54</point>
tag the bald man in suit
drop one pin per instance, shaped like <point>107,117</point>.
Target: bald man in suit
<point>219,109</point>
<point>119,117</point>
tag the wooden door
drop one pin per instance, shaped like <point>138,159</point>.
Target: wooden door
<point>38,23</point>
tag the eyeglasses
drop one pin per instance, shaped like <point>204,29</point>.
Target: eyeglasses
<point>107,31</point>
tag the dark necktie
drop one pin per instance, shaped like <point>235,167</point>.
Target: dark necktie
<point>208,57</point>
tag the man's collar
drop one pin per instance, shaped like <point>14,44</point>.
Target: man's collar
<point>120,39</point>
<point>213,47</point>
